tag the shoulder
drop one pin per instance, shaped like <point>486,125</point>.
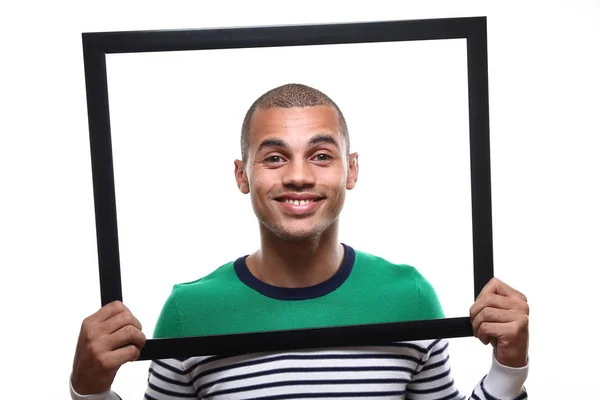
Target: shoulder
<point>400,280</point>
<point>194,295</point>
<point>382,267</point>
<point>223,275</point>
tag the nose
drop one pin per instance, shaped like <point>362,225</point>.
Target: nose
<point>299,174</point>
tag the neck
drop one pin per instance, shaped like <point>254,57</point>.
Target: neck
<point>296,264</point>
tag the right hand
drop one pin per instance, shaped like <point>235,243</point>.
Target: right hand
<point>108,339</point>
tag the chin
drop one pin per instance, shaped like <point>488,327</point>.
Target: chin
<point>299,234</point>
<point>297,237</point>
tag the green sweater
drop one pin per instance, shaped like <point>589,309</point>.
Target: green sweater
<point>365,290</point>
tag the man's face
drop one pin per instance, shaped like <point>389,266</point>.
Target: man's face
<point>297,171</point>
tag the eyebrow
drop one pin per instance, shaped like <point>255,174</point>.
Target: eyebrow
<point>272,143</point>
<point>323,139</point>
<point>317,139</point>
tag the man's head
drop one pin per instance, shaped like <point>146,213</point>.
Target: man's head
<point>289,96</point>
<point>295,162</point>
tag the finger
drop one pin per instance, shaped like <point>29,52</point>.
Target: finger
<point>488,331</point>
<point>106,312</point>
<point>496,286</point>
<point>118,321</point>
<point>128,353</point>
<point>114,359</point>
<point>125,336</point>
<point>489,314</point>
<point>494,300</point>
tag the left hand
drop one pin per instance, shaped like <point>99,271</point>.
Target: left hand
<point>500,316</point>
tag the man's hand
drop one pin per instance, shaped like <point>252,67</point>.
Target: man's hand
<point>108,339</point>
<point>500,315</point>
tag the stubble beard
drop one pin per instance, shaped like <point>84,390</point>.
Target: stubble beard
<point>293,235</point>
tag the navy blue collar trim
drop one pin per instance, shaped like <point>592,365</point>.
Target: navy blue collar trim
<point>305,293</point>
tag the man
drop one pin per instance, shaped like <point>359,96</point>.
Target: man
<point>296,167</point>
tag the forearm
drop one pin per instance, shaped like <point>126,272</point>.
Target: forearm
<point>434,380</point>
<point>502,382</point>
<point>108,395</point>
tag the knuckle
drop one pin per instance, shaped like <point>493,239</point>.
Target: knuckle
<point>134,352</point>
<point>516,330</point>
<point>137,323</point>
<point>89,333</point>
<point>86,324</point>
<point>489,298</point>
<point>105,363</point>
<point>472,311</point>
<point>95,351</point>
<point>483,329</point>
<point>125,318</point>
<point>114,307</point>
<point>487,312</point>
<point>130,331</point>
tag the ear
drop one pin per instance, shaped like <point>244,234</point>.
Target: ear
<point>352,171</point>
<point>240,177</point>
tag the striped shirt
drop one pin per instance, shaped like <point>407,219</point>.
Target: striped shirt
<point>365,290</point>
<point>409,370</point>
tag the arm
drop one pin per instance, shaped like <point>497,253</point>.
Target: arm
<point>433,379</point>
<point>500,316</point>
<point>99,355</point>
<point>169,379</point>
<point>108,339</point>
<point>107,395</point>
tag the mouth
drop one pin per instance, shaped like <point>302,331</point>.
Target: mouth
<point>298,197</point>
<point>299,204</point>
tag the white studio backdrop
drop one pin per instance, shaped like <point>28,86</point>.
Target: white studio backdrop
<point>544,85</point>
<point>176,120</point>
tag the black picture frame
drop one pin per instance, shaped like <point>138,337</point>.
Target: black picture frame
<point>97,45</point>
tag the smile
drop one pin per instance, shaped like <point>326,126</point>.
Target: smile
<point>297,202</point>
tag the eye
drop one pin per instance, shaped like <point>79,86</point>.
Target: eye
<point>274,159</point>
<point>323,157</point>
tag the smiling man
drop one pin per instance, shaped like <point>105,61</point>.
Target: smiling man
<point>296,167</point>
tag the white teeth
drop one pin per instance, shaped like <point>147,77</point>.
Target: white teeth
<point>297,202</point>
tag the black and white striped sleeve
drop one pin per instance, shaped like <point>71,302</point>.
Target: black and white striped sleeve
<point>433,379</point>
<point>168,379</point>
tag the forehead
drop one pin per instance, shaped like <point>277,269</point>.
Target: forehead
<point>295,123</point>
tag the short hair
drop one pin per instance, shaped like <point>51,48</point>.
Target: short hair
<point>288,96</point>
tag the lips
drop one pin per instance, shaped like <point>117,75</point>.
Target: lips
<point>293,197</point>
<point>299,204</point>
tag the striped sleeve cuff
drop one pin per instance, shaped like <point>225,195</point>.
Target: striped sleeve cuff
<point>108,395</point>
<point>505,382</point>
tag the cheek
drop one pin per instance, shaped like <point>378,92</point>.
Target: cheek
<point>335,184</point>
<point>334,179</point>
<point>260,189</point>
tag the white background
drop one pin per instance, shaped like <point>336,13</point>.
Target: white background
<point>175,121</point>
<point>544,85</point>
